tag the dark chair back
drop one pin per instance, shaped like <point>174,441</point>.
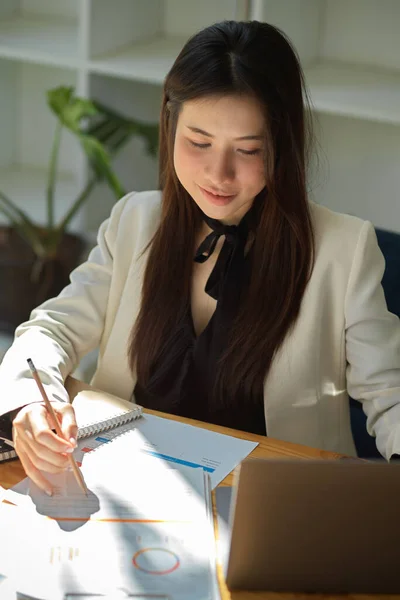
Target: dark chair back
<point>389,243</point>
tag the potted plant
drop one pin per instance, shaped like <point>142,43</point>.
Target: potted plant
<point>36,259</point>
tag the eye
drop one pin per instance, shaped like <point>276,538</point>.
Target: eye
<point>201,146</point>
<point>250,152</point>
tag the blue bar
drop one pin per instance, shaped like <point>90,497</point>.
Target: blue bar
<point>102,439</point>
<point>179,461</point>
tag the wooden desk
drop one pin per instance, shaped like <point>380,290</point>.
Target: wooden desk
<point>12,472</point>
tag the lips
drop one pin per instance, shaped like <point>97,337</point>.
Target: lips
<point>217,199</point>
<point>218,194</point>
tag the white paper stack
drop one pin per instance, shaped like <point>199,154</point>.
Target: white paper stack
<point>145,528</point>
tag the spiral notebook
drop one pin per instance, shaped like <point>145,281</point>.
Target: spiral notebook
<point>95,412</point>
<point>98,411</point>
<point>7,451</point>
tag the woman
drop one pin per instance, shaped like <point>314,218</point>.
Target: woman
<point>227,297</point>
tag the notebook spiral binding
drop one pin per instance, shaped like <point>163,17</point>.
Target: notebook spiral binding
<point>7,452</point>
<point>107,424</point>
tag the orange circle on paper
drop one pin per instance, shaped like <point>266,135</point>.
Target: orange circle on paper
<point>151,571</point>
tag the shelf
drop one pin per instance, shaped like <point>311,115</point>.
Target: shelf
<point>335,88</point>
<point>48,40</point>
<point>26,186</point>
<point>147,61</point>
<point>351,91</point>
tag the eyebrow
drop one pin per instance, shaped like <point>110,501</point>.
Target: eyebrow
<point>243,137</point>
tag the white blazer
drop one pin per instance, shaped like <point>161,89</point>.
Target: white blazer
<point>344,341</point>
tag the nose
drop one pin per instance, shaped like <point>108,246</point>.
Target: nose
<point>221,168</point>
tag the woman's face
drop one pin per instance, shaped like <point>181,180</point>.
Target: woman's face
<point>218,154</point>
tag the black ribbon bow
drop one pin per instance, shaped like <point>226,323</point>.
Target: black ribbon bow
<point>230,262</point>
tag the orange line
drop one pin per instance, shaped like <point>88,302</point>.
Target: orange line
<point>110,520</point>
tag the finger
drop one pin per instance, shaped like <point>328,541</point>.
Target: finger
<point>35,475</point>
<point>34,418</point>
<point>42,433</point>
<point>42,457</point>
<point>69,426</point>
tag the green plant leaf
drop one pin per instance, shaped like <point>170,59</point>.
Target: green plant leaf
<point>58,98</point>
<point>148,131</point>
<point>101,163</point>
<point>69,109</point>
<point>104,129</point>
<point>102,133</point>
<point>76,111</point>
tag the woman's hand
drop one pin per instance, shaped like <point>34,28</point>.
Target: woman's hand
<point>38,447</point>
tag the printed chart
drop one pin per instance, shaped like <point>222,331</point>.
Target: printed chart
<point>179,444</point>
<point>156,561</point>
<point>148,547</point>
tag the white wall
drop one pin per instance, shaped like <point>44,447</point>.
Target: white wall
<point>359,170</point>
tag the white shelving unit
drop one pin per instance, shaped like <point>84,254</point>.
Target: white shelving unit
<point>40,31</point>
<point>119,53</point>
<point>350,51</point>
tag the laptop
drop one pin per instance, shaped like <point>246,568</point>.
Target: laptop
<point>315,526</point>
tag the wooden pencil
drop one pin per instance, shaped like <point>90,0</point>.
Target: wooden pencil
<point>49,407</point>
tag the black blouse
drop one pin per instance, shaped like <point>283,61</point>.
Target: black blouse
<point>183,379</point>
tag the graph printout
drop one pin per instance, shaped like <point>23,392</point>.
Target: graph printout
<point>180,444</point>
<point>146,532</point>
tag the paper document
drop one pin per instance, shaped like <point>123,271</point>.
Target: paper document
<point>126,493</point>
<point>144,528</point>
<point>180,444</point>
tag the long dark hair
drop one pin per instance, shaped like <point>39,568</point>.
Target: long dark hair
<point>257,59</point>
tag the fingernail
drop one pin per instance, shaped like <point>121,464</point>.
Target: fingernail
<point>73,441</point>
<point>49,492</point>
<point>69,450</point>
